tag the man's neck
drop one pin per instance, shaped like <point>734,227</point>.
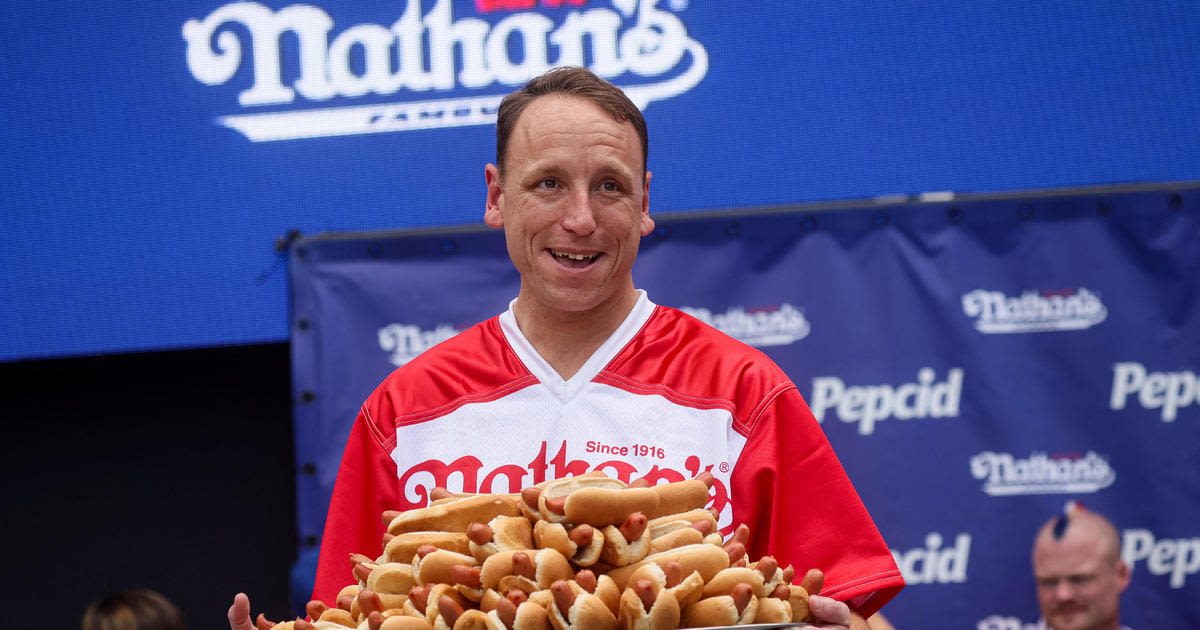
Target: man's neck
<point>566,340</point>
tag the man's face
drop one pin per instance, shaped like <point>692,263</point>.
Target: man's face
<point>1079,583</point>
<point>574,204</point>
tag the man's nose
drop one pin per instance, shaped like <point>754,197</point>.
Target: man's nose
<point>578,217</point>
<point>1064,590</point>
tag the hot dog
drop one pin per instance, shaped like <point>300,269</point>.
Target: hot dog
<point>455,514</point>
<point>681,496</point>
<point>436,566</point>
<point>628,543</point>
<point>529,572</point>
<point>726,580</point>
<point>572,554</point>
<point>582,611</point>
<point>502,533</point>
<point>670,578</point>
<point>402,547</point>
<point>582,543</point>
<point>736,608</point>
<point>773,610</point>
<point>391,579</point>
<point>524,616</point>
<point>703,558</point>
<point>401,622</point>
<point>645,606</point>
<point>596,501</point>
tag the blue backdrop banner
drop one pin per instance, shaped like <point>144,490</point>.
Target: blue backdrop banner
<point>154,151</point>
<point>976,362</point>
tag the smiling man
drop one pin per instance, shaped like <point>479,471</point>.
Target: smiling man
<point>583,372</point>
<point>1079,571</point>
<point>573,197</point>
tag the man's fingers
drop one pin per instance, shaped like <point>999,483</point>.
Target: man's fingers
<point>239,613</point>
<point>828,612</point>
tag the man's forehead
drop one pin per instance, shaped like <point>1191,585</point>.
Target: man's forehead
<point>554,122</point>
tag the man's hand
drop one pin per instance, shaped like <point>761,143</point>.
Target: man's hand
<point>239,613</point>
<point>830,614</point>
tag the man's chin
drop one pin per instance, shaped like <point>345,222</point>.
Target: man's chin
<point>1068,620</point>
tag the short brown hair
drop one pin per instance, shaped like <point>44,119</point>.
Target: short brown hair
<point>138,609</point>
<point>573,81</point>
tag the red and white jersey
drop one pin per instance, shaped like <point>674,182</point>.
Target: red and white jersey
<point>666,397</point>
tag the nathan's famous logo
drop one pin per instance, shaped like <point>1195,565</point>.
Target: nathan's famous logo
<point>868,404</point>
<point>404,342</point>
<point>467,474</point>
<point>466,63</point>
<point>759,327</point>
<point>1034,311</point>
<point>1168,390</point>
<point>997,622</point>
<point>1041,473</point>
<point>933,563</point>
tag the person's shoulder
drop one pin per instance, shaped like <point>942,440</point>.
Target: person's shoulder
<point>482,340</point>
<point>672,323</point>
<point>476,360</point>
<point>676,348</point>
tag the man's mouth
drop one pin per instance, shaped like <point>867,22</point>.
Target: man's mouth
<point>573,259</point>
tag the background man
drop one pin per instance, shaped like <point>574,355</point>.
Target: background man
<point>1079,571</point>
<point>582,357</point>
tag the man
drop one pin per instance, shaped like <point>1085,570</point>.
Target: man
<point>583,372</point>
<point>1079,571</point>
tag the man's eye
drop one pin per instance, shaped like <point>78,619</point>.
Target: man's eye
<point>610,187</point>
<point>547,183</point>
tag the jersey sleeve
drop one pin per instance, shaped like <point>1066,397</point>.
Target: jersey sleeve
<point>790,488</point>
<point>366,485</point>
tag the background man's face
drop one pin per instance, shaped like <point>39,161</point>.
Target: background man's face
<point>1079,581</point>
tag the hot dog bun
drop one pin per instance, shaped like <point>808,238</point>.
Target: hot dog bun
<point>455,515</point>
<point>705,559</point>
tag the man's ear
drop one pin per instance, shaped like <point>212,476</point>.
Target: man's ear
<point>1123,573</point>
<point>491,209</point>
<point>647,223</point>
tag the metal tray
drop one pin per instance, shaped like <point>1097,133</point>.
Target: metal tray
<point>755,627</point>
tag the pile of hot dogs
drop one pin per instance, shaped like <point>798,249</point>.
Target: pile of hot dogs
<point>581,553</point>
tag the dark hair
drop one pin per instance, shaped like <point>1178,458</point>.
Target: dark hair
<point>572,81</point>
<point>138,609</point>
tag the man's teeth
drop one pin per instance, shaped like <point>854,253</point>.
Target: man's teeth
<point>573,256</point>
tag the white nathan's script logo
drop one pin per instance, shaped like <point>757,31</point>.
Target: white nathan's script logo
<point>996,622</point>
<point>1033,311</point>
<point>1040,473</point>
<point>759,327</point>
<point>467,63</point>
<point>404,342</point>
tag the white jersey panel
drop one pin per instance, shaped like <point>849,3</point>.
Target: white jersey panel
<point>601,427</point>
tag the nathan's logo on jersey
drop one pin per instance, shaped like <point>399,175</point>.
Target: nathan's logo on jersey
<point>933,563</point>
<point>1167,390</point>
<point>996,622</point>
<point>445,70</point>
<point>1178,557</point>
<point>404,342</point>
<point>1040,473</point>
<point>760,326</point>
<point>468,474</point>
<point>868,404</point>
<point>1034,311</point>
